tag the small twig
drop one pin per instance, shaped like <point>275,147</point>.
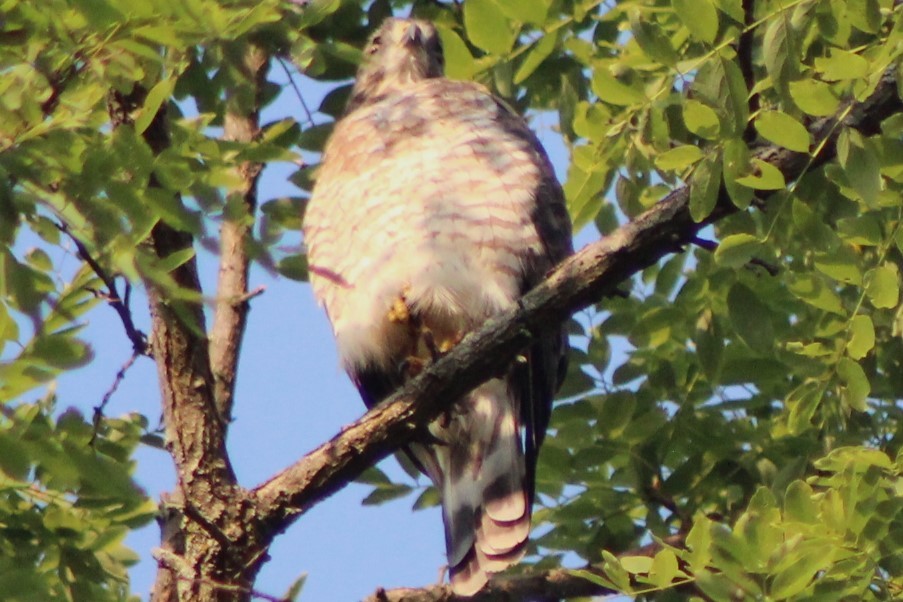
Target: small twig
<point>111,296</point>
<point>215,532</point>
<point>250,295</point>
<point>711,245</point>
<point>291,81</point>
<point>99,409</point>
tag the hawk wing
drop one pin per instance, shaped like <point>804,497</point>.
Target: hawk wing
<point>435,208</point>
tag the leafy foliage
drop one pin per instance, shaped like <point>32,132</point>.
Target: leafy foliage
<point>745,395</point>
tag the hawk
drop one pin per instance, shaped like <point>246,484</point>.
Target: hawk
<point>434,209</point>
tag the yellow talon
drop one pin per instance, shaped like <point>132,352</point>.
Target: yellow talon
<point>399,311</point>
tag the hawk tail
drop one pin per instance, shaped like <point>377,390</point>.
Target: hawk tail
<point>485,503</point>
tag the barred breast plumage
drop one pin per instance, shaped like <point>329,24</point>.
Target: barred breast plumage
<point>434,209</point>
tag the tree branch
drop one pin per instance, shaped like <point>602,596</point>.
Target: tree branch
<point>230,316</point>
<point>539,586</point>
<point>120,303</point>
<point>195,433</point>
<point>579,282</point>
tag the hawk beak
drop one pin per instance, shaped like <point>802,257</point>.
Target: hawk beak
<point>412,36</point>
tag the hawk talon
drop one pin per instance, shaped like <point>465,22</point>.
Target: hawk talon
<point>399,312</point>
<point>429,342</point>
<point>411,366</point>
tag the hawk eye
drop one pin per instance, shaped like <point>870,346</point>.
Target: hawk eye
<point>375,43</point>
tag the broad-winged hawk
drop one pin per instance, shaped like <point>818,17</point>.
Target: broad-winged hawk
<point>434,209</point>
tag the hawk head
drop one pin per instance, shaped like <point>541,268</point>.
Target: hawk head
<point>401,52</point>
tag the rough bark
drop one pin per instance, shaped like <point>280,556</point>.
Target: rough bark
<point>242,124</point>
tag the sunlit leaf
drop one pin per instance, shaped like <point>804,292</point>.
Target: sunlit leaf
<point>883,286</point>
<point>699,16</point>
<point>862,337</point>
<point>784,130</point>
<point>488,27</point>
<point>857,384</point>
<point>704,187</point>
<point>814,97</point>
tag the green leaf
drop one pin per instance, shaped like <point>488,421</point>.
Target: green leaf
<point>60,351</point>
<point>842,265</point>
<point>294,590</point>
<point>857,387</point>
<point>709,346</point>
<point>799,505</point>
<point>865,15</point>
<point>531,11</point>
<point>797,577</point>
<point>737,165</point>
<point>882,285</point>
<point>784,130</point>
<point>664,568</point>
<point>842,65</point>
<point>860,164</point>
<point>699,541</point>
<point>812,289</point>
<point>651,39</point>
<point>862,337</point>
<point>701,120</point>
<point>699,16</point>
<point>294,267</point>
<point>615,413</point>
<point>802,403</point>
<point>765,176</point>
<point>161,91</point>
<point>386,493</point>
<point>750,318</point>
<point>814,97</point>
<point>430,498</point>
<point>636,564</point>
<point>487,27</point>
<point>599,580</point>
<point>176,259</point>
<point>314,137</point>
<point>736,250</point>
<point>721,86</point>
<point>373,476</point>
<point>781,52</point>
<point>535,56</point>
<point>611,90</point>
<point>459,63</point>
<point>864,229</point>
<point>14,458</point>
<point>704,188</point>
<point>678,158</point>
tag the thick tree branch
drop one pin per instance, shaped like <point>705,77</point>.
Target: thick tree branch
<point>242,124</point>
<point>206,513</point>
<point>580,281</point>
